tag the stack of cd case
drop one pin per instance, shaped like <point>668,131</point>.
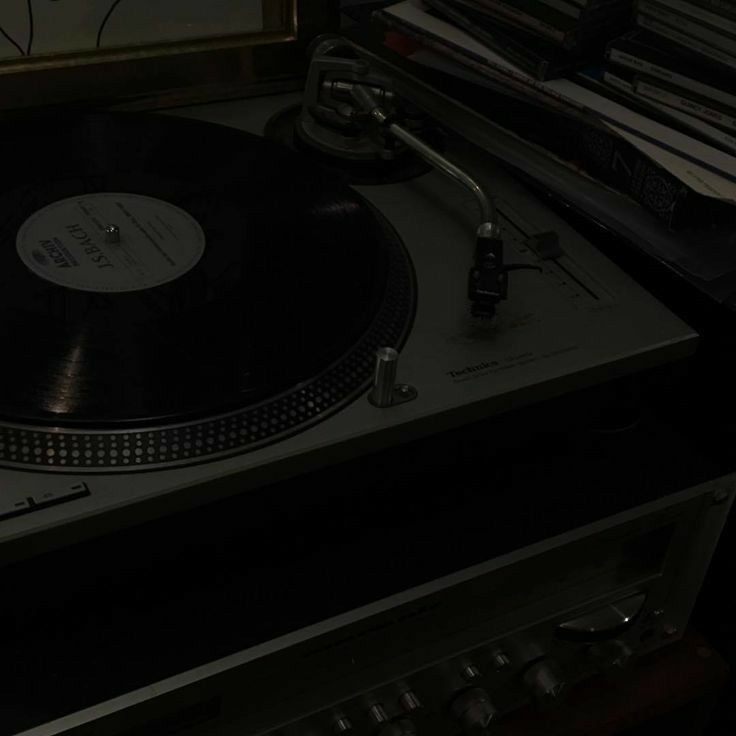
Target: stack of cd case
<point>681,60</point>
<point>543,37</point>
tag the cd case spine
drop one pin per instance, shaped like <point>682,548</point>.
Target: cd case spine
<point>593,149</point>
<point>687,42</point>
<point>686,24</point>
<point>637,52</point>
<point>540,65</point>
<point>560,28</point>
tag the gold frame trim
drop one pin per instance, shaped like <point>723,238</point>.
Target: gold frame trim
<point>177,72</point>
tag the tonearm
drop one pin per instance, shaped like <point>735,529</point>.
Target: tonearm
<point>351,109</point>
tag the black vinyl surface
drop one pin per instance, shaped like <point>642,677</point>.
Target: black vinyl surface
<point>294,269</point>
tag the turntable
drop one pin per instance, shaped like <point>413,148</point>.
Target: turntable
<point>225,333</point>
<point>195,314</point>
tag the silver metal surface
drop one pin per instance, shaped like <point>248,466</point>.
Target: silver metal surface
<point>474,710</point>
<point>489,230</point>
<point>423,662</point>
<point>486,203</point>
<point>471,672</point>
<point>605,620</point>
<point>112,234</point>
<point>404,392</point>
<point>384,380</point>
<point>501,661</point>
<point>378,714</point>
<point>545,681</point>
<point>342,725</point>
<point>563,329</point>
<point>367,100</point>
<point>554,335</point>
<point>409,701</point>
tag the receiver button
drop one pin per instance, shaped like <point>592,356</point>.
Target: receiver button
<point>60,495</point>
<point>14,507</point>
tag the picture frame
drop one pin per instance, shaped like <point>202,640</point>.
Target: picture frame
<point>176,72</point>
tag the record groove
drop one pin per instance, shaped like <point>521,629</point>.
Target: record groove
<point>272,331</point>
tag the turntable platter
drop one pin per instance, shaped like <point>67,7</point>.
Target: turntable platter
<point>172,290</point>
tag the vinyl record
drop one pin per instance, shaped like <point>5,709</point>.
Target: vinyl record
<point>239,272</point>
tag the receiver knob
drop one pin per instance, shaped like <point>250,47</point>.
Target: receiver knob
<point>612,655</point>
<point>501,660</point>
<point>471,672</point>
<point>545,681</point>
<point>378,714</point>
<point>342,726</point>
<point>409,701</point>
<point>474,710</point>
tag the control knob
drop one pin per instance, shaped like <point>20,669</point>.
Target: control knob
<point>389,727</point>
<point>611,655</point>
<point>342,726</point>
<point>474,710</point>
<point>546,681</point>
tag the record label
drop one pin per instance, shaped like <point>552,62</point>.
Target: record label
<point>67,242</point>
